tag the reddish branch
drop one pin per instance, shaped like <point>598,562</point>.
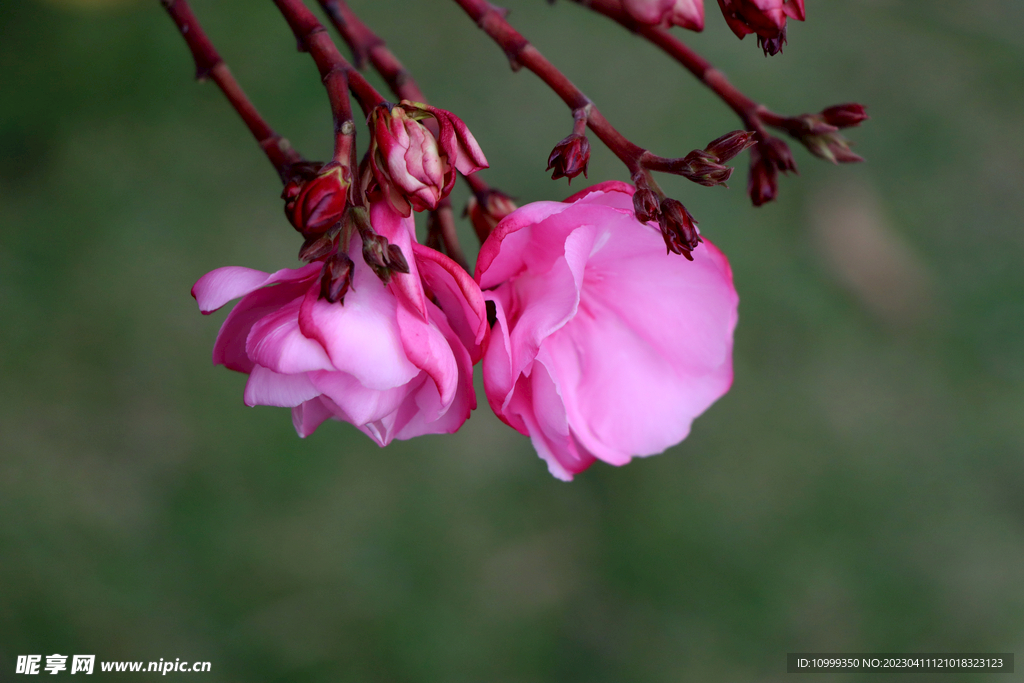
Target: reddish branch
<point>210,65</point>
<point>338,75</point>
<point>753,114</point>
<point>366,45</point>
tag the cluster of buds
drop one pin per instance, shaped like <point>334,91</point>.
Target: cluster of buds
<point>707,166</point>
<point>678,228</point>
<point>820,132</point>
<point>766,18</point>
<point>414,168</point>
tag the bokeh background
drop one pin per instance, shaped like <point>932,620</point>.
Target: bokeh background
<point>860,489</point>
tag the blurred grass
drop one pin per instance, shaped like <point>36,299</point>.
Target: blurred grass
<point>858,490</point>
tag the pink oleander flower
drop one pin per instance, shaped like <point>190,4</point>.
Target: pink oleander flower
<point>388,360</point>
<point>686,13</point>
<point>605,347</point>
<point>415,169</point>
<point>766,18</point>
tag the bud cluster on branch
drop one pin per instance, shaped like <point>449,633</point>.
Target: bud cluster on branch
<point>595,339</point>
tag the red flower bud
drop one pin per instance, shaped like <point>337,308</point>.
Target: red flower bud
<point>336,278</point>
<point>730,144</point>
<point>315,205</point>
<point>646,206</point>
<point>570,157</point>
<point>762,184</point>
<point>845,115</point>
<point>678,228</point>
<point>766,18</point>
<point>413,167</point>
<point>484,216</point>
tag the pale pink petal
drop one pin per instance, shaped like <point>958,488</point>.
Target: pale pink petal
<point>428,350</point>
<point>220,286</point>
<point>688,14</point>
<point>275,342</point>
<point>229,349</point>
<point>362,336</point>
<point>268,388</point>
<point>426,412</point>
<point>458,295</point>
<point>357,404</point>
<point>497,364</point>
<point>307,416</point>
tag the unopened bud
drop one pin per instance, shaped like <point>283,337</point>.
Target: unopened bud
<point>485,216</point>
<point>702,168</point>
<point>646,205</point>
<point>374,250</point>
<point>731,144</point>
<point>845,115</point>
<point>413,167</point>
<point>570,157</point>
<point>316,248</point>
<point>394,259</point>
<point>762,184</point>
<point>336,278</point>
<point>831,147</point>
<point>315,205</point>
<point>678,228</point>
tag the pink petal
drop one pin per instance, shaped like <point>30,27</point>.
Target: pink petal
<point>306,417</point>
<point>229,349</point>
<point>428,350</point>
<point>220,286</point>
<point>362,336</point>
<point>275,342</point>
<point>357,404</point>
<point>458,295</point>
<point>268,388</point>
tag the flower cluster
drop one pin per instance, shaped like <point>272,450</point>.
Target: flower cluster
<point>603,324</point>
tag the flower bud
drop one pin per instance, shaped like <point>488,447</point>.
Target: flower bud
<point>413,167</point>
<point>730,144</point>
<point>831,147</point>
<point>336,278</point>
<point>375,249</point>
<point>645,204</point>
<point>316,248</point>
<point>686,13</point>
<point>766,18</point>
<point>845,115</point>
<point>394,259</point>
<point>703,169</point>
<point>570,157</point>
<point>678,228</point>
<point>315,205</point>
<point>484,216</point>
<point>762,183</point>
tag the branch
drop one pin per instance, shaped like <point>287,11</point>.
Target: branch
<point>210,65</point>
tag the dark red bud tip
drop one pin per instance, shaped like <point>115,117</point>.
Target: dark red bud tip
<point>336,278</point>
<point>678,228</point>
<point>395,259</point>
<point>646,205</point>
<point>772,45</point>
<point>762,185</point>
<point>845,115</point>
<point>315,248</point>
<point>731,144</point>
<point>570,157</point>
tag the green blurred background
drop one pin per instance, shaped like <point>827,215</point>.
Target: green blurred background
<point>860,489</point>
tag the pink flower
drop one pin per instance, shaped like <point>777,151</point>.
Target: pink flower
<point>388,360</point>
<point>605,347</point>
<point>686,13</point>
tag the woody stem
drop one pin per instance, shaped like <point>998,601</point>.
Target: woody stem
<point>210,65</point>
<point>753,114</point>
<point>338,75</point>
<point>521,53</point>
